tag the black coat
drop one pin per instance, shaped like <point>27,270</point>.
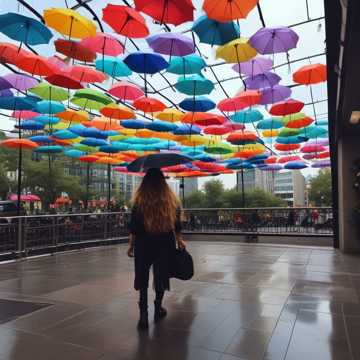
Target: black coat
<point>152,249</point>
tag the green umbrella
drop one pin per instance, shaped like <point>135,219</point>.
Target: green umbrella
<point>219,149</point>
<point>288,132</point>
<point>49,92</point>
<point>194,85</point>
<point>90,99</point>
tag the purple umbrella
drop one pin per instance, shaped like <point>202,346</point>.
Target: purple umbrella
<point>21,82</point>
<point>321,164</point>
<point>4,84</point>
<point>6,92</point>
<point>271,167</point>
<point>171,44</point>
<point>255,66</point>
<point>274,40</point>
<point>274,94</point>
<point>267,79</point>
<point>321,142</point>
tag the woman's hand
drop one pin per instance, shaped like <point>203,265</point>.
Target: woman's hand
<point>130,251</point>
<point>181,244</point>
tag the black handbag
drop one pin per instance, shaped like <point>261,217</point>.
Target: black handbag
<point>182,266</point>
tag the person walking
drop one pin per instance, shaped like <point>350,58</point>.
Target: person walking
<point>155,229</point>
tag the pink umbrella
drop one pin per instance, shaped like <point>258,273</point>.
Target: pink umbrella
<point>124,90</point>
<point>104,44</point>
<point>24,114</point>
<point>85,74</point>
<point>26,198</point>
<point>232,104</point>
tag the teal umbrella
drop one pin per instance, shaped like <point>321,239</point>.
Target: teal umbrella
<point>189,64</point>
<point>194,85</point>
<point>246,116</point>
<point>313,132</point>
<point>49,107</point>
<point>112,66</point>
<point>269,124</point>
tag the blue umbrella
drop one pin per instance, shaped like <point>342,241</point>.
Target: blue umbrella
<point>24,29</point>
<point>18,102</point>
<point>77,129</point>
<point>143,141</point>
<point>30,125</point>
<point>135,124</point>
<point>199,103</point>
<point>194,85</point>
<point>213,32</point>
<point>258,159</point>
<point>94,142</point>
<point>204,158</point>
<point>49,149</point>
<point>41,139</point>
<point>189,64</point>
<point>74,153</point>
<point>322,122</point>
<point>112,66</point>
<point>93,133</point>
<point>6,93</point>
<point>295,165</point>
<point>146,63</point>
<point>161,126</point>
<point>185,129</point>
<point>64,135</point>
<point>121,146</point>
<point>49,107</point>
<point>246,116</point>
<point>46,120</point>
<point>269,124</point>
<point>290,139</point>
<point>4,84</point>
<point>241,165</point>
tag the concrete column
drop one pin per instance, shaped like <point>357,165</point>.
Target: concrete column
<point>349,198</point>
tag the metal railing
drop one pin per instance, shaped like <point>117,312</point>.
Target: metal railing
<point>28,235</point>
<point>267,221</point>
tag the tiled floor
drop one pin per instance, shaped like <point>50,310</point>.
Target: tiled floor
<point>246,302</point>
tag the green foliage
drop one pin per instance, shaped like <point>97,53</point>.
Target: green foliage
<point>215,196</point>
<point>320,193</point>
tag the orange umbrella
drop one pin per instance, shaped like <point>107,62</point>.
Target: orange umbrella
<point>103,124</point>
<point>227,10</point>
<point>202,119</point>
<point>287,147</point>
<point>310,74</point>
<point>241,136</point>
<point>19,143</point>
<point>148,104</point>
<point>35,65</point>
<point>232,104</point>
<point>249,97</point>
<point>120,112</point>
<point>73,116</point>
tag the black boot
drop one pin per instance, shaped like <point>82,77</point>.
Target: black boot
<point>160,312</point>
<point>143,323</point>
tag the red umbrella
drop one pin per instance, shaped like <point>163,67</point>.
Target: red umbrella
<point>173,12</point>
<point>89,158</point>
<point>24,114</point>
<point>234,126</point>
<point>202,118</point>
<point>86,74</point>
<point>249,97</point>
<point>286,107</point>
<point>148,104</point>
<point>241,136</point>
<point>217,130</point>
<point>285,159</point>
<point>63,80</point>
<point>74,50</point>
<point>271,160</point>
<point>104,44</point>
<point>125,21</point>
<point>124,90</point>
<point>310,74</point>
<point>210,167</point>
<point>312,148</point>
<point>10,53</point>
<point>36,65</point>
<point>287,147</point>
<point>232,104</point>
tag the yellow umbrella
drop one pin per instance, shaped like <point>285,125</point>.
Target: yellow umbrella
<point>73,116</point>
<point>270,133</point>
<point>194,140</point>
<point>69,22</point>
<point>146,133</point>
<point>169,114</point>
<point>108,160</point>
<point>236,51</point>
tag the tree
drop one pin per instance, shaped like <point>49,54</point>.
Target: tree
<point>257,198</point>
<point>320,193</point>
<point>195,199</point>
<point>214,194</point>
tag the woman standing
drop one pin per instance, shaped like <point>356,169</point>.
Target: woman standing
<point>155,228</point>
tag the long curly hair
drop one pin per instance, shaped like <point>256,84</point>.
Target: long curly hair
<point>156,202</point>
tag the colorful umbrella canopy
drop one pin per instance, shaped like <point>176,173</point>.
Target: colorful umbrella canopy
<point>104,44</point>
<point>225,10</point>
<point>310,74</point>
<point>189,64</point>
<point>173,12</point>
<point>236,51</point>
<point>171,44</point>
<point>274,40</point>
<point>194,85</point>
<point>69,22</point>
<point>24,29</point>
<point>256,66</point>
<point>214,32</point>
<point>125,21</point>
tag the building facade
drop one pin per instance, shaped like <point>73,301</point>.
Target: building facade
<point>255,178</point>
<point>290,186</point>
<point>190,185</point>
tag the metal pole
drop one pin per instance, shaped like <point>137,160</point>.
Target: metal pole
<point>183,190</point>
<point>242,189</point>
<point>87,185</point>
<point>19,182</point>
<point>109,186</point>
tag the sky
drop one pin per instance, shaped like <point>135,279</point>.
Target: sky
<point>276,12</point>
